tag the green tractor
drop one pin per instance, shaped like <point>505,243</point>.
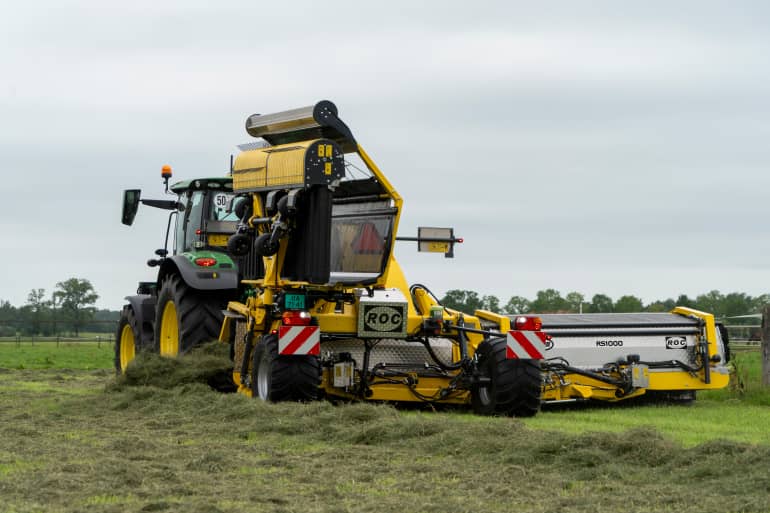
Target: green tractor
<point>183,306</point>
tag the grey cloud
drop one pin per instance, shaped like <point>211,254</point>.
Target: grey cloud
<point>616,148</point>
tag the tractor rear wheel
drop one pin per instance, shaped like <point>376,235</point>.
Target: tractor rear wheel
<point>283,378</point>
<point>126,339</point>
<point>185,317</point>
<point>513,386</point>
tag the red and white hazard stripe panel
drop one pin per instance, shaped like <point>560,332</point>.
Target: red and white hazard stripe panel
<point>299,340</point>
<point>526,345</point>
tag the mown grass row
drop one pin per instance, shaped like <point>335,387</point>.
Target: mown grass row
<point>70,443</point>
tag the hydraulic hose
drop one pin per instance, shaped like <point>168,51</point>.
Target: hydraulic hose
<point>436,360</point>
<point>552,366</point>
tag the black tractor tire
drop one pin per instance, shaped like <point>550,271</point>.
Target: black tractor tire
<point>197,314</point>
<point>127,339</point>
<point>514,387</point>
<point>277,378</point>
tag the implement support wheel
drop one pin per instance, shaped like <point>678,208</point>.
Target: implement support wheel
<point>514,386</point>
<point>283,378</point>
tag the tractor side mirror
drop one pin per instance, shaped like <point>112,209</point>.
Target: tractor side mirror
<point>130,205</point>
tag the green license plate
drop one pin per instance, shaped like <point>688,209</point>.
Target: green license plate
<point>294,301</point>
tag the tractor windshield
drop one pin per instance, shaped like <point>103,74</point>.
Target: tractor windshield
<point>360,241</point>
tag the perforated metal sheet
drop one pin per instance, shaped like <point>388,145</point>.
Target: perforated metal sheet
<point>240,345</point>
<point>391,351</point>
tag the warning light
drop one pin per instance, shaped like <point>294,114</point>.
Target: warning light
<point>296,318</point>
<point>165,172</point>
<point>205,261</point>
<point>528,323</point>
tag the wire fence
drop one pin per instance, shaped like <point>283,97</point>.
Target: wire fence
<point>18,340</point>
<point>12,329</point>
<point>745,333</point>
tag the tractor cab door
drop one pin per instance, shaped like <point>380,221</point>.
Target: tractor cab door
<point>204,221</point>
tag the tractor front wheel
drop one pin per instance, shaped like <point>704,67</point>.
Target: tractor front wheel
<point>185,317</point>
<point>126,339</point>
<point>511,387</point>
<point>283,378</point>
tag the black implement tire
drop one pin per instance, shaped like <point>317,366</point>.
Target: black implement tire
<point>514,386</point>
<point>283,378</point>
<point>186,317</point>
<point>127,339</point>
<point>725,341</point>
<point>670,397</point>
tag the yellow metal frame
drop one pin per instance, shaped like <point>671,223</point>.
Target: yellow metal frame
<point>386,391</point>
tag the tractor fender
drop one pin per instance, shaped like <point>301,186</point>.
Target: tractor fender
<point>143,306</point>
<point>200,278</point>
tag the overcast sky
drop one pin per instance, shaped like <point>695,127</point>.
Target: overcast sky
<point>603,147</point>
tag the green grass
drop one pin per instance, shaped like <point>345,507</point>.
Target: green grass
<point>745,381</point>
<point>161,440</point>
<point>704,421</point>
<point>64,355</point>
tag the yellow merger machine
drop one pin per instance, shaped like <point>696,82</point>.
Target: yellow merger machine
<point>309,296</point>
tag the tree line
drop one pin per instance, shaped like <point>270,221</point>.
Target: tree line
<point>551,301</point>
<point>68,309</point>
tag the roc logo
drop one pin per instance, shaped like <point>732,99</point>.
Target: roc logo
<point>548,344</point>
<point>383,319</point>
<point>676,343</point>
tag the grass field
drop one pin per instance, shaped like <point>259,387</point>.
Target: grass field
<point>52,355</point>
<point>74,439</point>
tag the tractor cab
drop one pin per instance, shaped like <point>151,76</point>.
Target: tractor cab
<point>203,219</point>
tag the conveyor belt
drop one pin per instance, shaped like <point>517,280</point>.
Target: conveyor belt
<point>617,320</point>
